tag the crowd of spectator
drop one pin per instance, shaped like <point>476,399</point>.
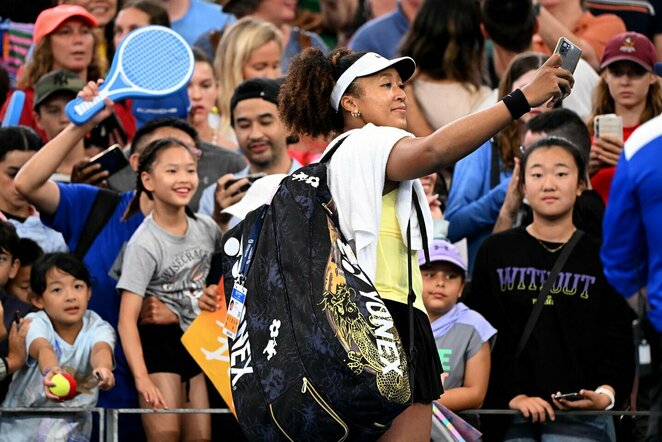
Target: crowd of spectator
<point>502,214</point>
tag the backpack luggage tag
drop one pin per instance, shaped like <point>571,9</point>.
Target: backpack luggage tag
<point>238,295</point>
<point>235,310</point>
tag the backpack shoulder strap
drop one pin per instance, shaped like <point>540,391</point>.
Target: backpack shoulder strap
<point>546,287</point>
<point>103,207</point>
<point>327,156</point>
<point>411,296</point>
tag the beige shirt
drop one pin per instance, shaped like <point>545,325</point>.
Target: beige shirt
<point>444,102</point>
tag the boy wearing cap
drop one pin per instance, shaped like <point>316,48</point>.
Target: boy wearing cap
<point>463,336</point>
<point>262,138</point>
<point>52,93</point>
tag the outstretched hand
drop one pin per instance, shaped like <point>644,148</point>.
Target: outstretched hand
<point>551,84</point>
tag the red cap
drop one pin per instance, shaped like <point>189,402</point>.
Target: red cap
<point>50,19</point>
<point>630,46</point>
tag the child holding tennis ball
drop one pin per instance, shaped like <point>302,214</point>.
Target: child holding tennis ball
<point>64,338</point>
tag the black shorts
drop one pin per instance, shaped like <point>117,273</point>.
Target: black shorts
<point>164,352</point>
<point>427,373</point>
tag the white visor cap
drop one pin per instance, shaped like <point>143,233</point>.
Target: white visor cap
<point>369,64</point>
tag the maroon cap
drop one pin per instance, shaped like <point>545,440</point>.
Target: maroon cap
<point>630,46</point>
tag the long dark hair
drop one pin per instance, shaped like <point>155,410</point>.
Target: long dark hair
<point>446,41</point>
<point>145,163</point>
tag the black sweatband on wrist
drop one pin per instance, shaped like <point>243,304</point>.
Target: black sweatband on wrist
<point>516,103</point>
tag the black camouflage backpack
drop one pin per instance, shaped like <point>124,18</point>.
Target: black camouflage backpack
<point>316,355</point>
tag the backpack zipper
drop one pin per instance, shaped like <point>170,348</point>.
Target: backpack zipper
<point>307,387</point>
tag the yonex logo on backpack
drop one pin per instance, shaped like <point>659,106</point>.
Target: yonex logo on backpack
<point>333,366</point>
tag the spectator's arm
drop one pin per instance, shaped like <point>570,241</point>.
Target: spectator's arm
<point>33,178</point>
<point>511,203</point>
<point>130,338</point>
<point>551,29</point>
<point>469,210</point>
<point>101,361</point>
<point>42,351</point>
<point>16,355</point>
<point>476,377</point>
<point>225,197</point>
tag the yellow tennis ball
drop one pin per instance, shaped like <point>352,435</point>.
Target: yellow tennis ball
<point>62,386</point>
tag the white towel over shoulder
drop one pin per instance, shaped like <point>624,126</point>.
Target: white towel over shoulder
<point>357,173</point>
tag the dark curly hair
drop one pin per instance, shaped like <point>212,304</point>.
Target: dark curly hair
<point>303,102</point>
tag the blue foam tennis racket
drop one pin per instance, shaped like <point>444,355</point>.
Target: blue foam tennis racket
<point>14,109</point>
<point>151,61</point>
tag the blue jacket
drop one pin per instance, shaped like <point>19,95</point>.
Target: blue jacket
<point>632,227</point>
<point>473,207</point>
<point>382,34</point>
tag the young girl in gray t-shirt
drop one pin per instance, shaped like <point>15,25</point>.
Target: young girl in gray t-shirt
<point>167,257</point>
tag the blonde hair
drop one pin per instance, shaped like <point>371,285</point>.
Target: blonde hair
<point>42,61</point>
<point>234,49</point>
<point>603,102</point>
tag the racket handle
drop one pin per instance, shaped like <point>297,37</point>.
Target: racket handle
<point>80,111</point>
<point>14,109</point>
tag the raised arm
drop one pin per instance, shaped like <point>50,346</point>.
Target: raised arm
<point>416,157</point>
<point>33,180</point>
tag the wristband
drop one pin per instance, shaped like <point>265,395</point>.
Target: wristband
<point>516,103</point>
<point>46,371</point>
<point>609,394</point>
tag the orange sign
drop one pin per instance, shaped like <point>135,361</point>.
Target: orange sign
<point>207,343</point>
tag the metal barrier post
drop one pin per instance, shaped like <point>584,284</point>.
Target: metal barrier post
<point>112,425</point>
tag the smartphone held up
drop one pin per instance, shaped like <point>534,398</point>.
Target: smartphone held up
<point>570,54</point>
<point>111,160</point>
<point>608,124</point>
